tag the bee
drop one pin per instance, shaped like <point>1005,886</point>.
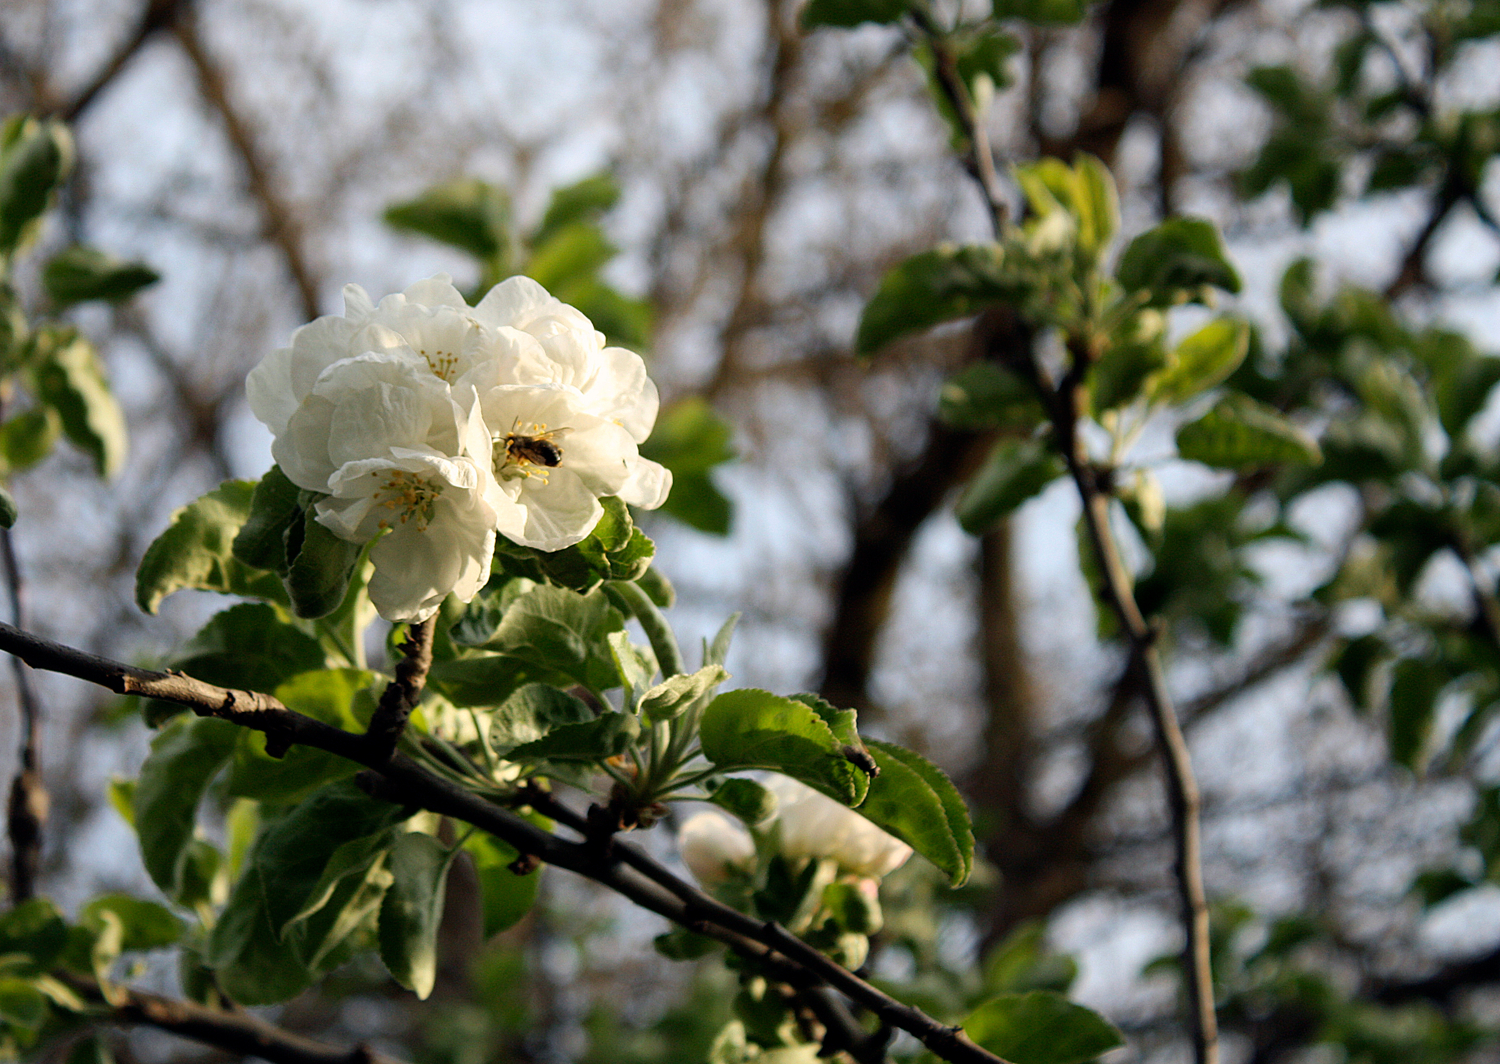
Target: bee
<point>537,448</point>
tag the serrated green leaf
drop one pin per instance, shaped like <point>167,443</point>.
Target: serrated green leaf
<point>274,505</point>
<point>756,729</point>
<point>1176,261</point>
<point>717,651</point>
<point>561,631</point>
<point>195,552</point>
<point>1040,1028</point>
<point>252,962</point>
<point>609,735</point>
<point>187,754</point>
<point>70,378</point>
<point>507,897</point>
<point>290,857</point>
<point>936,286</point>
<point>82,273</point>
<point>914,801</point>
<point>668,699</point>
<point>1016,470</point>
<point>35,157</point>
<point>530,713</point>
<point>413,909</point>
<point>846,13</point>
<point>637,665</point>
<point>1240,433</point>
<point>466,213</point>
<point>1201,361</point>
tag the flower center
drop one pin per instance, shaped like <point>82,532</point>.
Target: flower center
<point>410,496</point>
<point>443,363</point>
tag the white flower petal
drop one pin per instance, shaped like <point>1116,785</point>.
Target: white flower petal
<point>647,485</point>
<point>560,510</point>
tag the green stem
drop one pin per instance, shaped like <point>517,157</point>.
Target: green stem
<point>630,598</point>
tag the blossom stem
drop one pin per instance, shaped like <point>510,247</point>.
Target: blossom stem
<point>629,596</point>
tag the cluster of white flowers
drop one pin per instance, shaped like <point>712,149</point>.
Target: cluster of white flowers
<point>441,424</point>
<point>812,825</point>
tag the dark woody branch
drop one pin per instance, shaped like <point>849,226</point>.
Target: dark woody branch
<point>616,864</point>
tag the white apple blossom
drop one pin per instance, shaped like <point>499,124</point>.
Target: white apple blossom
<point>438,425</point>
<point>814,825</point>
<point>715,848</point>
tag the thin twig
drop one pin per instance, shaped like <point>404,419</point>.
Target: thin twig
<point>237,1032</point>
<point>611,862</point>
<point>1067,402</point>
<point>28,807</point>
<point>155,15</point>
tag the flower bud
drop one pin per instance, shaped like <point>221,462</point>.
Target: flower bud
<point>813,825</point>
<point>715,848</point>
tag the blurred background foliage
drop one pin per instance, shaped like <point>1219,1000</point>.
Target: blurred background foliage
<point>725,191</point>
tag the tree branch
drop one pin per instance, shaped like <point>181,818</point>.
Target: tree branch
<point>616,864</point>
<point>281,225</point>
<point>403,693</point>
<point>155,15</point>
<point>1067,402</point>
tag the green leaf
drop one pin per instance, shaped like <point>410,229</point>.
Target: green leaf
<point>1040,1028</point>
<point>610,735</point>
<point>507,897</point>
<point>914,801</point>
<point>81,273</point>
<point>756,729</point>
<point>322,566</point>
<point>326,695</point>
<point>466,213</point>
<point>563,632</point>
<point>291,856</point>
<point>195,552</point>
<point>413,909</point>
<point>690,439</point>
<point>745,799</point>
<point>252,962</point>
<point>22,1004</point>
<point>486,679</point>
<point>1042,12</point>
<point>35,158</point>
<point>1022,962</point>
<point>186,755</point>
<point>1085,190</point>
<point>1137,349</point>
<point>846,13</point>
<point>8,511</point>
<point>614,550</point>
<point>274,506</point>
<point>987,396</point>
<point>32,936</point>
<point>346,898</point>
<point>70,379</point>
<point>1176,261</point>
<point>530,714</point>
<point>145,924</point>
<point>580,202</point>
<point>668,699</point>
<point>982,55</point>
<point>637,665</point>
<point>1240,433</point>
<point>936,286</point>
<point>1016,470</point>
<point>575,251</point>
<point>1202,361</point>
<point>1415,686</point>
<point>657,588</point>
<point>717,652</point>
<point>28,437</point>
